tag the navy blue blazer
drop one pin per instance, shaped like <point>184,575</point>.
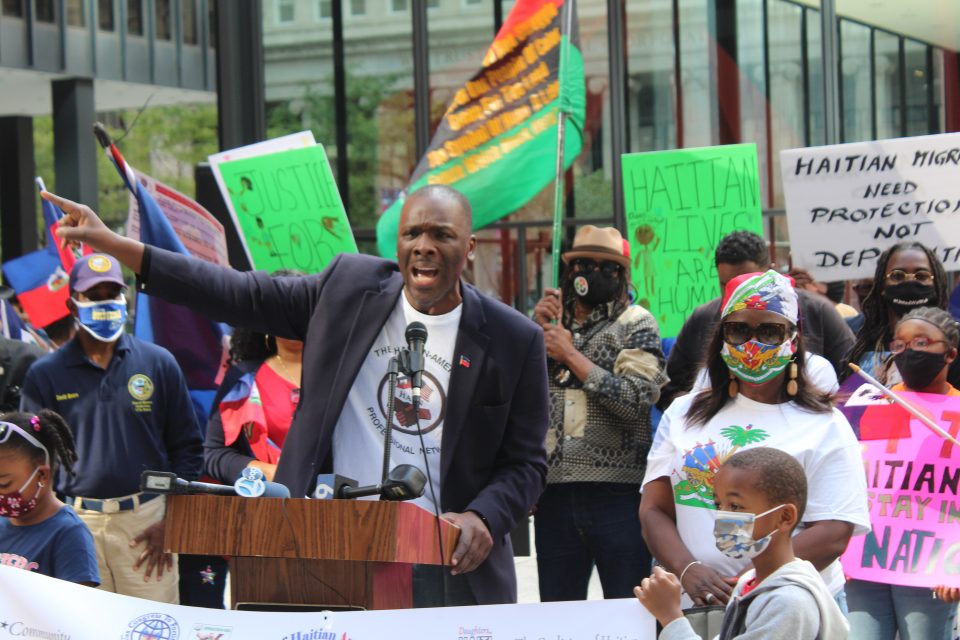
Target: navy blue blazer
<point>493,458</point>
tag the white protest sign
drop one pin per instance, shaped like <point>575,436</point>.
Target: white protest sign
<point>847,203</point>
<point>283,143</point>
<point>35,606</point>
<point>201,233</point>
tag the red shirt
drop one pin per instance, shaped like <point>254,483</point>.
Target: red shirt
<point>279,398</point>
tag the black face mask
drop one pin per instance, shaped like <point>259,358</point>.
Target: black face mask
<point>919,368</point>
<point>909,295</point>
<point>596,288</point>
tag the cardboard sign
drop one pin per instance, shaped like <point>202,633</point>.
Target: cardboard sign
<point>913,489</point>
<point>846,203</point>
<point>288,209</point>
<point>679,204</point>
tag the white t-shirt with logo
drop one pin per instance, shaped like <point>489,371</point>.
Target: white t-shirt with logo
<point>823,443</point>
<point>358,436</point>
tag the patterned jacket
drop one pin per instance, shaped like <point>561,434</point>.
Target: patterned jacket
<point>600,430</point>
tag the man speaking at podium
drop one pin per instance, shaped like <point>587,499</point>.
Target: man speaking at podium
<point>484,383</point>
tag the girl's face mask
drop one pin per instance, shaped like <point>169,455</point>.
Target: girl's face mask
<point>733,531</point>
<point>14,505</point>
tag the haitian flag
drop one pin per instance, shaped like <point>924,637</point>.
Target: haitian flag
<point>41,284</point>
<point>195,342</point>
<point>497,142</point>
<point>241,410</point>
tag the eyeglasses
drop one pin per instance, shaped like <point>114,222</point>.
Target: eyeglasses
<point>588,265</point>
<point>737,333</point>
<point>919,343</point>
<point>8,428</point>
<point>899,275</point>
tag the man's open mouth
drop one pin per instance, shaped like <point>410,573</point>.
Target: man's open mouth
<point>424,275</point>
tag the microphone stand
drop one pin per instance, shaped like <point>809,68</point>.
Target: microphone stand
<point>393,368</point>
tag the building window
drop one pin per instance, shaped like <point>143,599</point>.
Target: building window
<point>164,26</point>
<point>286,11</point>
<point>135,17</point>
<point>105,15</point>
<point>45,11</point>
<point>75,17</point>
<point>13,8</point>
<point>324,9</point>
<point>433,4</point>
<point>358,7</point>
<point>189,8</point>
<point>472,3</point>
<point>398,6</point>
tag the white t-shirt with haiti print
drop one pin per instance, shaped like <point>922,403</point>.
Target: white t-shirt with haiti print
<point>823,443</point>
<point>358,436</point>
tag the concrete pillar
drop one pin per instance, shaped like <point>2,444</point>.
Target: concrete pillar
<point>74,147</point>
<point>18,209</point>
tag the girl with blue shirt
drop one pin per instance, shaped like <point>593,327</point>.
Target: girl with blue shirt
<point>37,531</point>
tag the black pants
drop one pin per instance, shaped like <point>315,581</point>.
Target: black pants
<point>582,524</point>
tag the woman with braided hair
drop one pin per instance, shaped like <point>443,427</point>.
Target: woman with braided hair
<point>908,276</point>
<point>924,345</point>
<point>37,531</point>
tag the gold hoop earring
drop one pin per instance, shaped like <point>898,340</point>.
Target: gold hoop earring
<point>734,387</point>
<point>792,373</point>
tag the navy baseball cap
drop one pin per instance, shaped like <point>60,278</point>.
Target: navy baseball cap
<point>91,270</point>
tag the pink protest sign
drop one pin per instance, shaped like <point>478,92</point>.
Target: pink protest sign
<point>913,481</point>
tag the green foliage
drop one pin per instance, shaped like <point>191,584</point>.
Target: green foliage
<point>164,142</point>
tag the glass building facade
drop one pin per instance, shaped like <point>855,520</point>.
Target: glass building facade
<point>660,74</point>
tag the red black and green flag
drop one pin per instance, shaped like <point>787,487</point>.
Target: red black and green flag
<point>497,142</point>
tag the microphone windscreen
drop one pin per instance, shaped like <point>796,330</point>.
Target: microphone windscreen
<point>275,490</point>
<point>416,331</point>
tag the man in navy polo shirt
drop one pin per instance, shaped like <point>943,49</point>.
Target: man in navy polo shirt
<point>127,403</point>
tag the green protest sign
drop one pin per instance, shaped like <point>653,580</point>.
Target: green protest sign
<point>288,209</point>
<point>679,204</point>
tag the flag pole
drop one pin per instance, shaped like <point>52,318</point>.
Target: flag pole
<point>559,182</point>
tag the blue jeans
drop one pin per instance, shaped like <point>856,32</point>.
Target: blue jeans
<point>879,611</point>
<point>582,524</point>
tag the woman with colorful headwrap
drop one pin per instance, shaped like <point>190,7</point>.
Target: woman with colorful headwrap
<point>759,395</point>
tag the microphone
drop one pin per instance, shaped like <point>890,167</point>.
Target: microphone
<point>167,482</point>
<point>330,485</point>
<point>404,482</point>
<point>252,484</point>
<point>416,335</point>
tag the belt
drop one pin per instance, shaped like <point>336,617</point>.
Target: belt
<point>112,505</point>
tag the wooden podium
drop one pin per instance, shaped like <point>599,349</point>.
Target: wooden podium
<point>336,553</point>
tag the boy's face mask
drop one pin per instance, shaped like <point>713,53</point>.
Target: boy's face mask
<point>104,319</point>
<point>733,531</point>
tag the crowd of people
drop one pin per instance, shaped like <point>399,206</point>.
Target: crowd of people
<point>744,494</point>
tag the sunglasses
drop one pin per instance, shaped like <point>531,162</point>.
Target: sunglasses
<point>899,275</point>
<point>587,265</point>
<point>8,428</point>
<point>738,333</point>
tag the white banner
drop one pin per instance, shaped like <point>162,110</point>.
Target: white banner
<point>847,203</point>
<point>35,606</point>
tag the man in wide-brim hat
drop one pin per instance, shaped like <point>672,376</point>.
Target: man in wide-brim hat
<point>606,369</point>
